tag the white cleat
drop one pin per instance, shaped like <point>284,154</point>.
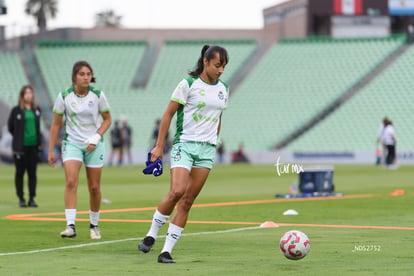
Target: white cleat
<point>95,233</point>
<point>69,232</point>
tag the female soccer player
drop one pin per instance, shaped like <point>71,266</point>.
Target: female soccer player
<point>198,101</point>
<point>82,106</point>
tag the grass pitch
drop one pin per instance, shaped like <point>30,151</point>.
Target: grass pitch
<point>366,232</point>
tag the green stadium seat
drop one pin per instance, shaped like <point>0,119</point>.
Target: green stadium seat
<point>13,77</point>
<point>295,81</point>
<point>354,126</point>
<point>115,65</point>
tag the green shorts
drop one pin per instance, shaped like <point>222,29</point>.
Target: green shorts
<point>93,159</point>
<point>193,154</point>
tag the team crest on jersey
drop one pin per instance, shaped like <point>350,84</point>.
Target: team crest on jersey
<point>221,95</point>
<point>90,104</point>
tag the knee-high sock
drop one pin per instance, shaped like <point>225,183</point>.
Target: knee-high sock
<point>70,216</point>
<point>158,220</point>
<point>94,217</point>
<point>173,235</point>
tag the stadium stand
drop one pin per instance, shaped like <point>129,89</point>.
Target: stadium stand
<point>305,75</point>
<point>13,76</point>
<point>115,64</point>
<point>175,60</point>
<point>354,125</point>
<point>296,80</point>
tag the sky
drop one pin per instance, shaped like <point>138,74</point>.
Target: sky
<point>216,14</point>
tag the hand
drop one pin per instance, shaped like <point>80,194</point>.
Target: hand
<point>94,140</point>
<point>51,159</point>
<point>156,153</point>
<point>154,168</point>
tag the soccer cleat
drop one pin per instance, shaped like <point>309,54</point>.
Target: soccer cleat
<point>165,258</point>
<point>94,232</point>
<point>146,244</point>
<point>69,232</point>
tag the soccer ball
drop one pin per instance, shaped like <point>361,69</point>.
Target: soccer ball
<point>294,245</point>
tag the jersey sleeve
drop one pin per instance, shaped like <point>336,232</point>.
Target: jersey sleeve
<point>180,93</point>
<point>103,103</point>
<point>59,106</point>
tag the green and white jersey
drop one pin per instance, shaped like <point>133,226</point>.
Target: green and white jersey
<point>83,114</point>
<point>201,106</point>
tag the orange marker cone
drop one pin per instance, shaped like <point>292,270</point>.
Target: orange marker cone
<point>269,224</point>
<point>397,193</point>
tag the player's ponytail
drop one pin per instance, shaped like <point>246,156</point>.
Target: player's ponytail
<point>209,52</point>
<point>200,64</point>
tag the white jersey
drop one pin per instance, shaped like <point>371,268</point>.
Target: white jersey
<point>388,136</point>
<point>83,114</point>
<point>201,106</point>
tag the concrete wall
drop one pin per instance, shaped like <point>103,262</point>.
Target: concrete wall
<point>287,20</point>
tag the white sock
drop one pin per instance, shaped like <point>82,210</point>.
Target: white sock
<point>173,235</point>
<point>70,215</point>
<point>94,217</point>
<point>158,220</point>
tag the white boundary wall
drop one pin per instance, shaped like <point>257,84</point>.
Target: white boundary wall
<point>319,158</point>
<point>348,157</point>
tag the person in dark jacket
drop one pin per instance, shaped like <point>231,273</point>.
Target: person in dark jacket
<point>24,126</point>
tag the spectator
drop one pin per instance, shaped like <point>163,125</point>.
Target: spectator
<point>24,126</point>
<point>239,156</point>
<point>381,151</point>
<point>116,144</point>
<point>126,136</point>
<point>220,152</point>
<point>167,144</point>
<point>390,142</point>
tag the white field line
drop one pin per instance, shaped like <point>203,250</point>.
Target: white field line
<point>123,240</point>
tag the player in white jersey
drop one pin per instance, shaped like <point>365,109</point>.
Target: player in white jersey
<point>87,118</point>
<point>198,102</point>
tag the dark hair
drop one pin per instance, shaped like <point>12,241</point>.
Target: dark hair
<point>209,52</point>
<point>77,66</point>
<point>21,96</point>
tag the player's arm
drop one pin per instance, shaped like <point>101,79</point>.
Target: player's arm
<point>10,121</point>
<point>106,123</point>
<point>54,131</point>
<point>158,150</point>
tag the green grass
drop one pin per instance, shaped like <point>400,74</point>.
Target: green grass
<point>216,249</point>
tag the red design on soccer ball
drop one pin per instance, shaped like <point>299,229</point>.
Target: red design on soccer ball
<point>294,245</point>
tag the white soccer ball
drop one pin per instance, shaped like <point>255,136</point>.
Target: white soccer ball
<point>294,245</point>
